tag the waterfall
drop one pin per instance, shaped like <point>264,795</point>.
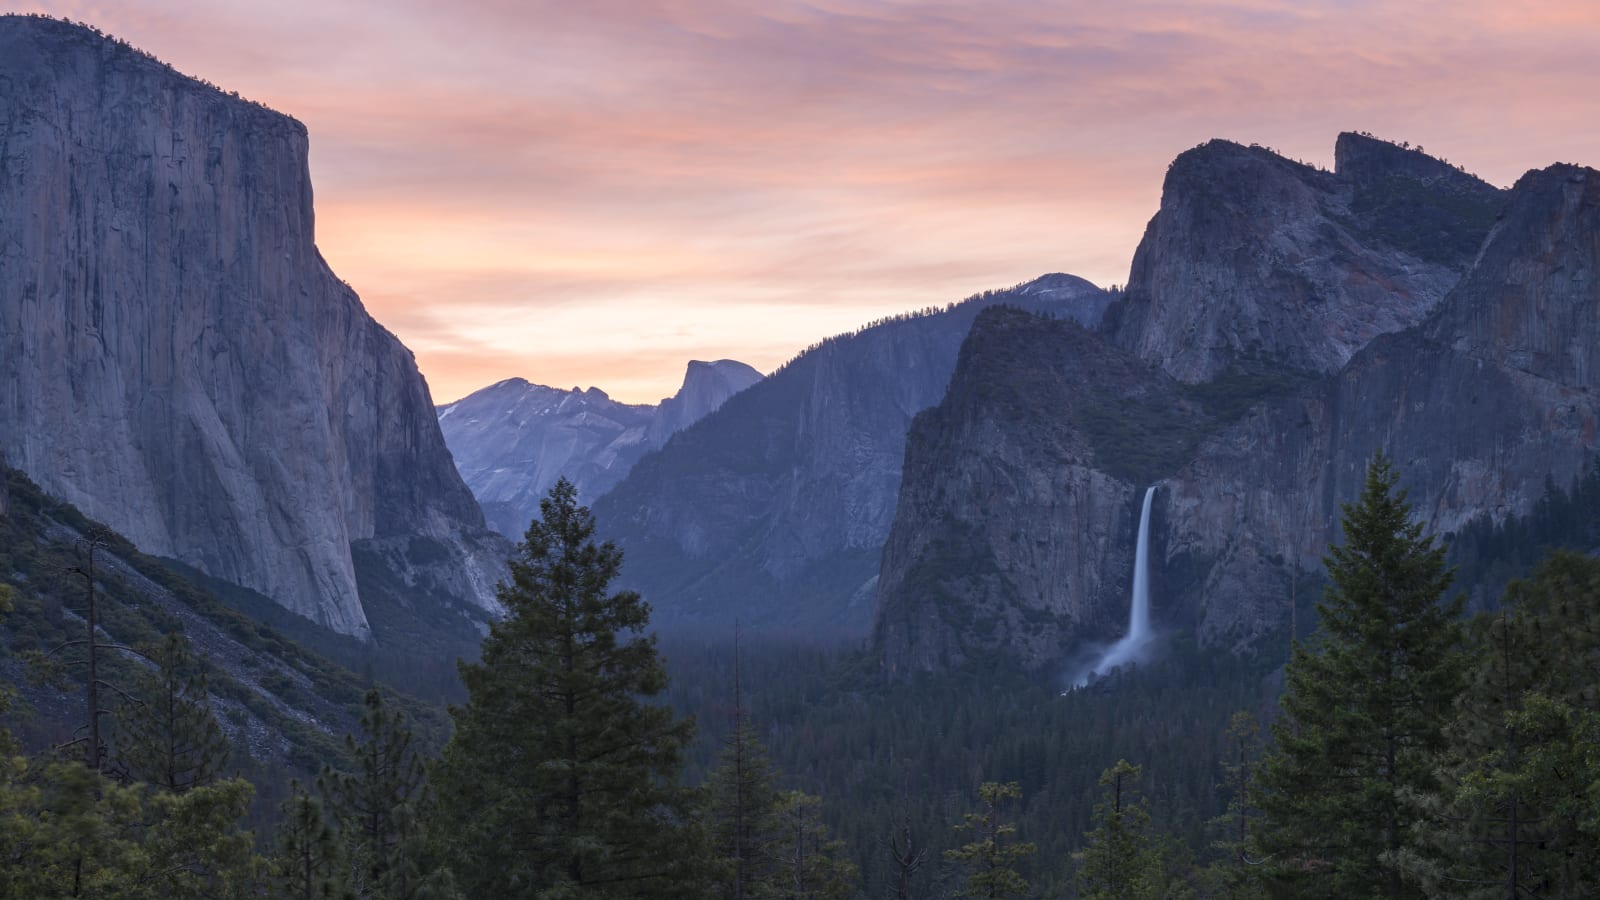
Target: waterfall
<point>1131,647</point>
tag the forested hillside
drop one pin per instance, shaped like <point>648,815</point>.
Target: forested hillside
<point>789,764</point>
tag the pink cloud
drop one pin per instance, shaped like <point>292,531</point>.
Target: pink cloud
<point>487,171</point>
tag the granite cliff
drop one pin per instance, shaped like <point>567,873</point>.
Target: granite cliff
<point>774,508</point>
<point>1479,406</point>
<point>1480,400</point>
<point>513,439</point>
<point>180,363</point>
<point>1255,262</point>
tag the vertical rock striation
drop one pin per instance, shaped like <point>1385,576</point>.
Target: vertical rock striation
<point>178,360</point>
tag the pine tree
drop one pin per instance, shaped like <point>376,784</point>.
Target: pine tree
<point>742,805</point>
<point>166,735</point>
<point>810,864</point>
<point>1363,713</point>
<point>1233,875</point>
<point>1122,858</point>
<point>1519,773</point>
<point>559,780</point>
<point>376,806</point>
<point>310,861</point>
<point>992,856</point>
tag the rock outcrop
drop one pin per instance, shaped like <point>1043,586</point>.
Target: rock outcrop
<point>774,509</point>
<point>1480,403</point>
<point>178,360</point>
<point>1258,263</point>
<point>512,440</point>
<point>1020,489</point>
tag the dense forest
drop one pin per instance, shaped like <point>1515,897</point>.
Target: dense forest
<point>1406,746</point>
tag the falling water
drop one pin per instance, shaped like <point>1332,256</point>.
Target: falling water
<point>1131,647</point>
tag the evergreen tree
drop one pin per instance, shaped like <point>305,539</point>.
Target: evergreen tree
<point>310,862</point>
<point>376,806</point>
<point>559,781</point>
<point>166,735</point>
<point>1519,775</point>
<point>809,863</point>
<point>742,807</point>
<point>1233,875</point>
<point>1122,858</point>
<point>69,831</point>
<point>990,859</point>
<point>1363,714</point>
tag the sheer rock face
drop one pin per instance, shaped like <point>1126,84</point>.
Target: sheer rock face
<point>513,440</point>
<point>774,508</point>
<point>1010,532</point>
<point>1478,404</point>
<point>1255,261</point>
<point>178,360</point>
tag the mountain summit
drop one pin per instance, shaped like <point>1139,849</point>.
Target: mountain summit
<point>513,439</point>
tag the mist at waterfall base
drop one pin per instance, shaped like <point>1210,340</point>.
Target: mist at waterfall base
<point>1135,644</point>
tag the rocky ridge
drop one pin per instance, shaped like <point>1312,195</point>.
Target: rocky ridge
<point>180,362</point>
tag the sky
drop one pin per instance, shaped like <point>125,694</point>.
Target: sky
<point>594,192</point>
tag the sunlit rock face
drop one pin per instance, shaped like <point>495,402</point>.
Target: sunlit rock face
<point>1015,528</point>
<point>773,510</point>
<point>513,440</point>
<point>178,361</point>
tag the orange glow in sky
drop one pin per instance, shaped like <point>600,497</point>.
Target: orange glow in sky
<point>593,193</point>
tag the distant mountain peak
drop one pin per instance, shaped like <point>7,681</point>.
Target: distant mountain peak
<point>513,439</point>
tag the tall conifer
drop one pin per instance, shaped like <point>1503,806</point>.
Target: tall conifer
<point>560,780</point>
<point>1364,711</point>
<point>166,734</point>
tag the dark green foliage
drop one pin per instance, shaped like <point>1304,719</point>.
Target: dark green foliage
<point>310,863</point>
<point>68,831</point>
<point>1513,814</point>
<point>139,601</point>
<point>887,757</point>
<point>1364,711</point>
<point>992,853</point>
<point>1246,383</point>
<point>377,805</point>
<point>1233,875</point>
<point>1122,857</point>
<point>1430,221</point>
<point>166,734</point>
<point>559,780</point>
<point>807,863</point>
<point>741,811</point>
